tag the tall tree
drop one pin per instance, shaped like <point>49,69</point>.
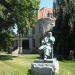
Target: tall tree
<point>23,13</point>
<point>65,41</point>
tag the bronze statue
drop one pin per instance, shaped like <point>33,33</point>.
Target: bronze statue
<point>47,46</point>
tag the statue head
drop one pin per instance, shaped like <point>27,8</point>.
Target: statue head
<point>50,33</point>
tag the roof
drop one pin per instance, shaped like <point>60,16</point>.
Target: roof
<point>42,13</point>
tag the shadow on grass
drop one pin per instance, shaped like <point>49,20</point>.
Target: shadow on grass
<point>6,57</point>
<point>29,72</point>
<point>67,60</point>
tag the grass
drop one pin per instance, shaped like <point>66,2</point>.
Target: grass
<point>10,65</point>
<point>67,67</point>
<point>20,65</point>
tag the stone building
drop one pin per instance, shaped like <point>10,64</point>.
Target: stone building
<point>23,44</point>
<point>45,23</point>
<point>31,42</point>
<point>43,26</point>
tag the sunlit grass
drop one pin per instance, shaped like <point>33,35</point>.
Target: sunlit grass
<point>20,65</point>
<point>67,67</point>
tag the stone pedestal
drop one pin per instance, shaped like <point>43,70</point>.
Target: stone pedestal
<point>47,67</point>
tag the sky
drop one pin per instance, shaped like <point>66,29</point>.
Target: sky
<point>46,3</point>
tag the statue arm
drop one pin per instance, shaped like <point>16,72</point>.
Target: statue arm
<point>52,39</point>
<point>45,40</point>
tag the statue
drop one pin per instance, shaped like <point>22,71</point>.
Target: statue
<point>47,46</point>
<point>48,65</point>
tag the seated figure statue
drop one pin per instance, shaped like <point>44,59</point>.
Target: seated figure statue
<point>47,46</point>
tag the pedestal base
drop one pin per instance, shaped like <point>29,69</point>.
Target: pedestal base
<point>47,67</point>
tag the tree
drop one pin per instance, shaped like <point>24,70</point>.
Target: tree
<point>65,28</point>
<point>23,13</point>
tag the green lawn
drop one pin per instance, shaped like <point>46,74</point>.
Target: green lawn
<point>11,65</point>
<point>67,67</point>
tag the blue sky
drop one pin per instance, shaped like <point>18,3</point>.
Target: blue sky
<point>46,3</point>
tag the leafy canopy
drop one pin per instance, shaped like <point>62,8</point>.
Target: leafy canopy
<point>23,13</point>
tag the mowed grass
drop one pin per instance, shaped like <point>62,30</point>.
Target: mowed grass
<point>21,65</point>
<point>67,67</point>
<point>12,65</point>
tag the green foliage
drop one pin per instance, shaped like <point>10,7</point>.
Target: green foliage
<point>25,13</point>
<point>65,27</point>
<point>21,12</point>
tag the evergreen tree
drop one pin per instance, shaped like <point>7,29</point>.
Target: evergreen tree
<point>65,27</point>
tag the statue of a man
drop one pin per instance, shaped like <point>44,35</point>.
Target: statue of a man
<point>47,46</point>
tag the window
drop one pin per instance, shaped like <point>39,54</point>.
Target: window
<point>50,15</point>
<point>25,44</point>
